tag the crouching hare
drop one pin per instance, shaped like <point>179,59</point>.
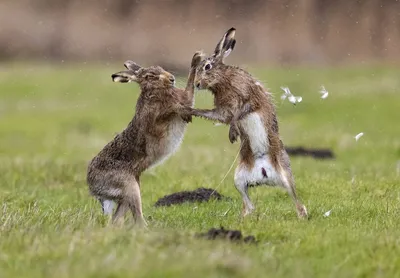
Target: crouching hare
<point>154,133</point>
<point>242,102</point>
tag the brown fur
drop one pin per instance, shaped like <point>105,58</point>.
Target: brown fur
<point>234,89</point>
<point>236,95</point>
<point>114,173</point>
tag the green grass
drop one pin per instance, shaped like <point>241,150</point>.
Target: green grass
<point>53,120</point>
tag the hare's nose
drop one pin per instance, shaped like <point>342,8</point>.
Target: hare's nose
<point>172,79</point>
<point>198,85</point>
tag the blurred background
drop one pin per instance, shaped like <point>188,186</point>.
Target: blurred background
<point>167,32</point>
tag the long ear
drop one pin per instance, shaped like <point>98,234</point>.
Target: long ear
<point>226,44</point>
<point>131,65</point>
<point>124,76</point>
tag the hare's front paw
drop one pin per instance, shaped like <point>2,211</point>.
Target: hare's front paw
<point>233,132</point>
<point>197,57</point>
<point>186,115</point>
<point>187,119</point>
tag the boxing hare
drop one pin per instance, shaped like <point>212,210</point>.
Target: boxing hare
<point>155,132</point>
<point>243,103</point>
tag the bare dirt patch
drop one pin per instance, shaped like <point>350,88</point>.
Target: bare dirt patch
<point>199,195</point>
<point>231,235</point>
<point>315,153</point>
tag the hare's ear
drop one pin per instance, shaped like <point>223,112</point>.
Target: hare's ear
<point>225,45</point>
<point>124,76</point>
<point>131,65</point>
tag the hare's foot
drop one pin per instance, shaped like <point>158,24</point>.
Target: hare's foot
<point>247,209</point>
<point>301,211</point>
<point>118,217</point>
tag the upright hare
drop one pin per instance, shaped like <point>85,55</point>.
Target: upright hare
<point>241,101</point>
<point>155,132</point>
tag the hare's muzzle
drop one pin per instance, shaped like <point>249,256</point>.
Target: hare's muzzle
<point>168,77</point>
<point>198,85</point>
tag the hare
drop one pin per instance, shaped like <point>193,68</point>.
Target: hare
<point>154,133</point>
<point>241,101</point>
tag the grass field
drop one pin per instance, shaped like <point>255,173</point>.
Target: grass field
<point>54,119</point>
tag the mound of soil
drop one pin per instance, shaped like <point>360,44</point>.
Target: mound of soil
<point>315,153</point>
<point>232,235</point>
<point>199,195</point>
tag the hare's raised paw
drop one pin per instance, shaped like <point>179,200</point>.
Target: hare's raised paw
<point>187,118</point>
<point>233,133</point>
<point>196,59</point>
<point>186,114</point>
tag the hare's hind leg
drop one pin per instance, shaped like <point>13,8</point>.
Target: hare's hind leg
<point>120,212</point>
<point>130,200</point>
<point>241,184</point>
<point>134,201</point>
<point>301,209</point>
<point>288,183</point>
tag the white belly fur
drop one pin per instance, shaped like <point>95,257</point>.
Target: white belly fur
<point>255,176</point>
<point>254,127</point>
<point>171,141</point>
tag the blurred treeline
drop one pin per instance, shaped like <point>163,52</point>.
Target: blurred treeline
<point>169,31</point>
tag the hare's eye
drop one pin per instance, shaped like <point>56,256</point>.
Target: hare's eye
<point>207,67</point>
